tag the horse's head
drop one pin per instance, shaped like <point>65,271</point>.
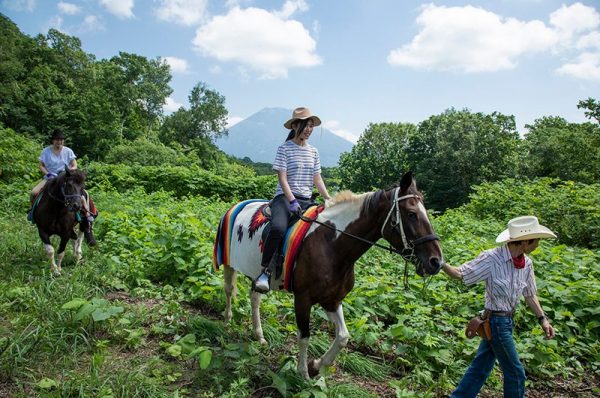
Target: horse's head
<point>407,228</point>
<point>70,184</point>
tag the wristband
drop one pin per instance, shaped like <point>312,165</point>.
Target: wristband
<point>541,318</point>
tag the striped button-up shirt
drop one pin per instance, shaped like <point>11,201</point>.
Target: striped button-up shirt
<point>504,284</point>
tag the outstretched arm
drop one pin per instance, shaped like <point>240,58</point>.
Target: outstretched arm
<point>451,271</point>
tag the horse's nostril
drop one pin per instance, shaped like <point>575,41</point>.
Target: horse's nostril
<point>436,264</point>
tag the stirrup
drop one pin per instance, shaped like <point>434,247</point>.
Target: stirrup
<point>261,284</point>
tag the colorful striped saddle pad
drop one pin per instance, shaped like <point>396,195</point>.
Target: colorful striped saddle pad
<point>291,245</point>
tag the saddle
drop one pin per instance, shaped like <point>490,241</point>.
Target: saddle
<point>276,264</point>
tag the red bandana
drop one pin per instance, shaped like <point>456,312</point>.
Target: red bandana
<point>519,261</point>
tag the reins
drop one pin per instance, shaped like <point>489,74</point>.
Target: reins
<point>396,224</point>
<point>67,199</point>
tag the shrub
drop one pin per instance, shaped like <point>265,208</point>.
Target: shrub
<point>570,209</point>
<point>18,157</point>
<point>181,181</point>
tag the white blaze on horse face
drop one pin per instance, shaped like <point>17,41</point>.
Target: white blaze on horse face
<point>423,212</point>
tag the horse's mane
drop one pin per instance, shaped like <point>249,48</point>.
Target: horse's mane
<point>369,200</point>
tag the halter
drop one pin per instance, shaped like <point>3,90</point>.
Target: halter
<point>396,223</point>
<point>67,200</point>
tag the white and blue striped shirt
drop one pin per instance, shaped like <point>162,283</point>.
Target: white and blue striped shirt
<point>301,163</point>
<point>504,284</point>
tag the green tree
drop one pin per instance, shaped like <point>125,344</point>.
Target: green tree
<point>458,149</point>
<point>557,148</point>
<point>592,108</point>
<point>379,157</point>
<point>206,119</point>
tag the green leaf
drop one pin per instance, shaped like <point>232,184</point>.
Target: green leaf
<point>74,304</point>
<point>47,384</point>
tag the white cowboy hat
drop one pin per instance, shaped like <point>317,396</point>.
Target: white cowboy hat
<point>523,228</point>
<point>301,114</point>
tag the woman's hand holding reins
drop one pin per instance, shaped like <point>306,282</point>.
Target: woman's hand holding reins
<point>294,207</point>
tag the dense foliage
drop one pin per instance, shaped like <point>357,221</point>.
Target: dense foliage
<point>568,208</point>
<point>374,161</point>
<point>456,150</point>
<point>182,181</point>
<point>569,151</point>
<point>18,157</point>
<point>141,317</point>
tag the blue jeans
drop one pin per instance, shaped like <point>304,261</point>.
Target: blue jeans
<point>502,347</point>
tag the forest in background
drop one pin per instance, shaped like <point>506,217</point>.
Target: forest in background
<point>141,316</point>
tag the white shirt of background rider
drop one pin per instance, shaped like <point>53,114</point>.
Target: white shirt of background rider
<point>56,162</point>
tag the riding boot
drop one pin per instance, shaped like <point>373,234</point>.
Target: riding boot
<point>89,232</point>
<point>262,283</point>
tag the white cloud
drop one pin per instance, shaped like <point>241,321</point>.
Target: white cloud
<point>233,120</point>
<point>261,40</point>
<point>177,65</point>
<point>586,66</point>
<point>68,8</point>
<point>575,18</point>
<point>334,127</point>
<point>120,8</point>
<point>91,23</point>
<point>591,40</point>
<point>470,39</point>
<point>171,105</point>
<point>183,12</point>
<point>290,7</point>
<point>20,5</point>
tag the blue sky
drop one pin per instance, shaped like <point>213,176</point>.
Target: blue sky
<point>352,62</point>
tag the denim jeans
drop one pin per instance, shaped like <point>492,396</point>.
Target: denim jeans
<point>502,347</point>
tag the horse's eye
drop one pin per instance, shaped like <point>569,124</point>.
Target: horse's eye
<point>412,215</point>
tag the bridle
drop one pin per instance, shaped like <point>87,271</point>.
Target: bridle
<point>68,200</point>
<point>396,224</point>
<point>408,249</point>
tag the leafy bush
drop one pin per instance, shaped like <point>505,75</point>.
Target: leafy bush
<point>18,157</point>
<point>146,153</point>
<point>181,181</point>
<point>570,209</point>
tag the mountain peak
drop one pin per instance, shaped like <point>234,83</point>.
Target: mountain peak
<point>258,136</point>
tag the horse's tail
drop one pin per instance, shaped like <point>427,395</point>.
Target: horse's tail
<point>218,246</point>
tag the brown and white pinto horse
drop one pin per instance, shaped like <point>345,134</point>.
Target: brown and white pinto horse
<point>324,272</point>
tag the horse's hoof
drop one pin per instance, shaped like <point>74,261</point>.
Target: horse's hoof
<point>56,272</point>
<point>313,370</point>
<point>262,341</point>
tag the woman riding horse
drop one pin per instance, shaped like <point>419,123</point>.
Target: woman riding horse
<point>324,267</point>
<point>54,159</point>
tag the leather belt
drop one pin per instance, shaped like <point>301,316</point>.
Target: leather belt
<point>501,313</point>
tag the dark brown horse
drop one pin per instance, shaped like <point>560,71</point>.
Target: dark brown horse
<point>57,213</point>
<point>324,272</point>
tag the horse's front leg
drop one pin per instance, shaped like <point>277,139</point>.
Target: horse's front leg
<point>61,252</point>
<point>77,246</point>
<point>50,251</point>
<point>302,308</point>
<point>341,339</point>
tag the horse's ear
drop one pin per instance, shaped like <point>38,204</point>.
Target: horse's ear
<point>407,181</point>
<point>67,170</point>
